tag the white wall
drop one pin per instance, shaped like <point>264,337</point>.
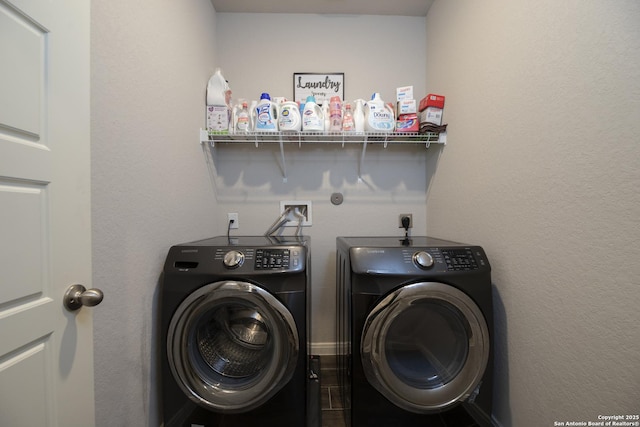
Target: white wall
<point>259,53</point>
<point>543,106</point>
<point>150,187</point>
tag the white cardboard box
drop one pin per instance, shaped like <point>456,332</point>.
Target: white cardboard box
<point>405,92</point>
<point>407,106</point>
<point>217,118</point>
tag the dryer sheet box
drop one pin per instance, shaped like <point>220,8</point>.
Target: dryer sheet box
<point>217,118</point>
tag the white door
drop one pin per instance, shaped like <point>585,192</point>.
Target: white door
<point>46,351</point>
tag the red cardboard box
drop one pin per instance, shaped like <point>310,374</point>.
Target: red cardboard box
<point>431,109</point>
<point>431,100</point>
<point>408,123</point>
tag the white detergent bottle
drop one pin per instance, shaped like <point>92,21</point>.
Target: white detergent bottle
<point>266,114</point>
<point>378,116</point>
<point>252,115</point>
<point>312,118</point>
<point>235,110</point>
<point>347,120</point>
<point>326,114</point>
<point>217,89</point>
<point>243,119</point>
<point>218,111</point>
<point>289,118</point>
<point>358,116</point>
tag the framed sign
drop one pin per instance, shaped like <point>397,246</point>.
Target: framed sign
<point>321,85</point>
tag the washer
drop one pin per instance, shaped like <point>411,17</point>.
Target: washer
<point>234,328</point>
<point>414,327</point>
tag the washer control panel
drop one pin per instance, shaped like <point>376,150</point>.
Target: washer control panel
<point>272,259</point>
<point>261,259</point>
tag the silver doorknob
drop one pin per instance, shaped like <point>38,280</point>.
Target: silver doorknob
<point>77,296</point>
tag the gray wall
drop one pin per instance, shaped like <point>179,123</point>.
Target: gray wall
<point>151,186</point>
<point>543,106</point>
<point>260,53</point>
<point>150,63</point>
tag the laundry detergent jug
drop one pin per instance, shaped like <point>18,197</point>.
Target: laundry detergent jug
<point>312,117</point>
<point>358,115</point>
<point>378,116</point>
<point>289,118</point>
<point>266,114</point>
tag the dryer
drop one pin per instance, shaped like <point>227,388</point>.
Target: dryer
<point>234,328</point>
<point>415,323</point>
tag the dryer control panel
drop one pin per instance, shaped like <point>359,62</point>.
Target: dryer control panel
<point>412,259</point>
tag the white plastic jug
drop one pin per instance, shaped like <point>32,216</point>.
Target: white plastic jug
<point>243,119</point>
<point>266,114</point>
<point>218,112</point>
<point>378,116</point>
<point>326,114</point>
<point>312,118</point>
<point>289,118</point>
<point>218,92</point>
<point>358,115</point>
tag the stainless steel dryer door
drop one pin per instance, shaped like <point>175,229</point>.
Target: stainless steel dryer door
<point>425,347</point>
<point>231,346</point>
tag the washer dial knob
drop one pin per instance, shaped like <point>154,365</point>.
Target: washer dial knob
<point>423,259</point>
<point>233,259</point>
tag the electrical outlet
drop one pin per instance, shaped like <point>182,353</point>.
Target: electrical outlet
<point>304,207</point>
<point>410,216</point>
<point>233,217</point>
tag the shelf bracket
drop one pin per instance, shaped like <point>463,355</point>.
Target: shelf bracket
<point>204,137</point>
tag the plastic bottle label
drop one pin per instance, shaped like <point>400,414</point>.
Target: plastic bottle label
<point>312,121</point>
<point>264,119</point>
<point>288,119</point>
<point>243,122</point>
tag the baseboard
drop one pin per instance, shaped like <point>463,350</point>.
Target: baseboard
<point>323,348</point>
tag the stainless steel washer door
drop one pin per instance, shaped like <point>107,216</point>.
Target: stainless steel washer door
<point>231,346</point>
<point>425,347</point>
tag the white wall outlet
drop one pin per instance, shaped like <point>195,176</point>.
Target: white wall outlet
<point>304,208</point>
<point>233,217</point>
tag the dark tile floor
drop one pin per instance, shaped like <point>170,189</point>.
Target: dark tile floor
<point>330,393</point>
<point>331,400</point>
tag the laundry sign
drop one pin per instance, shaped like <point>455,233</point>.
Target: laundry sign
<point>321,85</point>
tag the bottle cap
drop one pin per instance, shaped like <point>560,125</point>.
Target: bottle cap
<point>311,98</point>
<point>265,95</point>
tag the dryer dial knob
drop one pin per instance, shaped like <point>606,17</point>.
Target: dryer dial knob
<point>423,259</point>
<point>233,259</point>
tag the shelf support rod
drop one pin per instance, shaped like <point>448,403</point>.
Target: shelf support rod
<point>361,163</point>
<point>284,165</point>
